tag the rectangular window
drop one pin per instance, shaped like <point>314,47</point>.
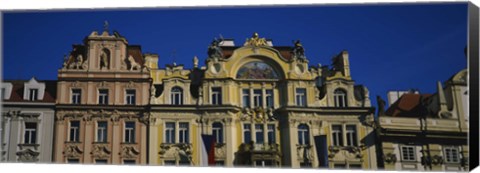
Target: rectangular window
<point>246,98</point>
<point>271,133</point>
<point>33,94</point>
<point>74,131</point>
<point>170,133</point>
<point>3,93</point>
<point>30,133</point>
<point>269,98</point>
<point>76,96</point>
<point>216,96</point>
<point>408,153</point>
<point>259,134</point>
<point>451,154</point>
<point>103,96</point>
<point>184,163</point>
<point>219,163</point>
<point>351,135</point>
<point>337,135</point>
<point>305,165</point>
<point>340,166</point>
<point>257,98</point>
<point>129,132</point>
<point>130,96</point>
<point>129,162</point>
<point>247,134</point>
<point>102,131</point>
<point>101,161</point>
<point>301,97</point>
<point>355,166</point>
<point>183,133</point>
<point>73,161</point>
<point>217,130</point>
<point>169,162</point>
<point>303,135</point>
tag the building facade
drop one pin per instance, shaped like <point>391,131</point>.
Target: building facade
<point>427,131</point>
<point>264,105</point>
<point>27,120</point>
<point>102,107</point>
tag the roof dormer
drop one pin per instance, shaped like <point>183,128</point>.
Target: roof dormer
<point>6,90</point>
<point>33,90</point>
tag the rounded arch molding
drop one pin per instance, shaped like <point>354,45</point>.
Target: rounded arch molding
<point>269,56</point>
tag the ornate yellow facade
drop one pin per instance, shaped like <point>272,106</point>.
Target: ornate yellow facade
<point>264,105</point>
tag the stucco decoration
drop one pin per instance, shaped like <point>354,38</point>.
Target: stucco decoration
<point>305,152</point>
<point>72,151</point>
<point>256,70</point>
<point>101,151</point>
<point>390,158</point>
<point>129,151</point>
<point>28,155</point>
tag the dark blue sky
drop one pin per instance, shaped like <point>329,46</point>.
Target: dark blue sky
<point>391,47</point>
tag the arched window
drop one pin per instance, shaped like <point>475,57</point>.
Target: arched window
<point>303,134</point>
<point>340,98</point>
<point>217,130</point>
<point>177,96</point>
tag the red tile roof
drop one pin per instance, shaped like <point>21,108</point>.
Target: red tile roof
<point>408,105</point>
<point>18,87</point>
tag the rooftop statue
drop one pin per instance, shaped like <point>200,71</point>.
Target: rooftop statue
<point>214,50</point>
<point>298,50</point>
<point>381,106</point>
<point>256,41</point>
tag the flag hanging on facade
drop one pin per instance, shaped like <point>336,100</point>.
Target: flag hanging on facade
<point>209,145</point>
<point>322,150</point>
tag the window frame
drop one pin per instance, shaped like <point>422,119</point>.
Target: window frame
<point>129,132</point>
<point>217,131</point>
<point>351,135</point>
<point>408,148</point>
<point>103,137</point>
<point>303,131</point>
<point>103,97</point>
<point>33,94</point>
<point>30,134</point>
<point>169,139</point>
<point>337,134</point>
<point>216,96</point>
<point>130,98</point>
<point>176,95</point>
<point>455,153</point>
<point>76,131</point>
<point>257,98</point>
<point>246,98</point>
<point>269,98</point>
<point>76,96</point>
<point>340,96</point>
<point>183,133</point>
<point>259,129</point>
<point>301,97</point>
<point>247,130</point>
<point>271,134</point>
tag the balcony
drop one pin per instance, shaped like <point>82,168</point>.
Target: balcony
<point>252,154</point>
